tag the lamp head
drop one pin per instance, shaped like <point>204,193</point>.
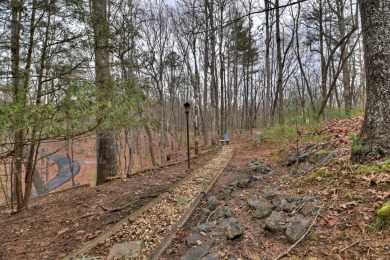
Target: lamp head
<point>187,107</point>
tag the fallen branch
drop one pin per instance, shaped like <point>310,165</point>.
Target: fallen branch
<point>351,245</point>
<point>207,220</point>
<point>304,235</point>
<point>297,209</point>
<point>87,215</point>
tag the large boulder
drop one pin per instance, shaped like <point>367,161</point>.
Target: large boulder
<point>258,166</point>
<point>212,202</point>
<point>222,212</point>
<point>232,228</point>
<point>206,227</point>
<point>193,239</point>
<point>272,222</point>
<point>296,229</point>
<point>198,252</point>
<point>260,209</point>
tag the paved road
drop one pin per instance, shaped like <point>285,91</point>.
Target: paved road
<point>64,173</point>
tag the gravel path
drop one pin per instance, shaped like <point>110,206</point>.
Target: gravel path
<point>154,223</point>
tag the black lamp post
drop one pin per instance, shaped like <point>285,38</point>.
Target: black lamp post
<point>187,110</point>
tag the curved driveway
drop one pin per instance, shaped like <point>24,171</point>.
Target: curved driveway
<point>64,173</point>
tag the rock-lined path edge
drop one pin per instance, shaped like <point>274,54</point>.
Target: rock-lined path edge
<point>157,222</point>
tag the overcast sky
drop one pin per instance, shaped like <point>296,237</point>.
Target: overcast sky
<point>170,2</point>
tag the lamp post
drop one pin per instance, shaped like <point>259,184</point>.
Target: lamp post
<point>187,110</point>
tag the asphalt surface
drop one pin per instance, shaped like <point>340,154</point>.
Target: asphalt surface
<point>64,173</point>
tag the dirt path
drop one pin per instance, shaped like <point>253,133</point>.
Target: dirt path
<point>213,244</point>
<point>56,224</point>
<point>156,221</point>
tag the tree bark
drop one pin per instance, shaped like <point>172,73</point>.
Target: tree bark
<point>279,81</point>
<point>151,145</point>
<point>213,85</point>
<point>374,138</point>
<point>205,77</point>
<point>107,163</point>
<point>347,94</point>
<point>19,98</point>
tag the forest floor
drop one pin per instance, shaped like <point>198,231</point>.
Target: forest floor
<point>309,179</point>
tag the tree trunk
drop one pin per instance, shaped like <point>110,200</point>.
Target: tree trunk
<point>347,94</point>
<point>151,145</point>
<point>196,98</point>
<point>205,78</point>
<point>213,85</point>
<point>374,139</point>
<point>107,163</point>
<point>279,81</point>
<point>267,66</point>
<point>221,75</point>
<point>19,98</point>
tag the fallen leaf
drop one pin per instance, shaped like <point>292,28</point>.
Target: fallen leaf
<point>376,179</point>
<point>348,204</point>
<point>361,226</point>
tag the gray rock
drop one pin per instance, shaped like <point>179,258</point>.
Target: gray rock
<point>281,204</point>
<point>303,157</point>
<point>291,160</point>
<point>302,170</point>
<point>214,234</point>
<point>300,157</point>
<point>257,177</point>
<point>192,239</point>
<point>126,250</point>
<point>222,212</point>
<point>261,209</point>
<point>320,163</point>
<point>232,228</point>
<point>211,256</point>
<point>243,183</point>
<point>252,203</point>
<point>309,209</point>
<point>310,198</point>
<point>286,206</point>
<point>272,222</point>
<point>294,198</point>
<point>309,146</point>
<point>259,166</point>
<point>290,207</point>
<point>224,193</point>
<point>205,227</point>
<point>318,156</point>
<point>212,202</point>
<point>234,184</point>
<point>276,200</point>
<point>268,194</point>
<point>198,252</point>
<point>296,229</point>
<point>204,214</point>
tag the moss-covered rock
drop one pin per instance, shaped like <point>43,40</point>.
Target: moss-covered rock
<point>382,220</point>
